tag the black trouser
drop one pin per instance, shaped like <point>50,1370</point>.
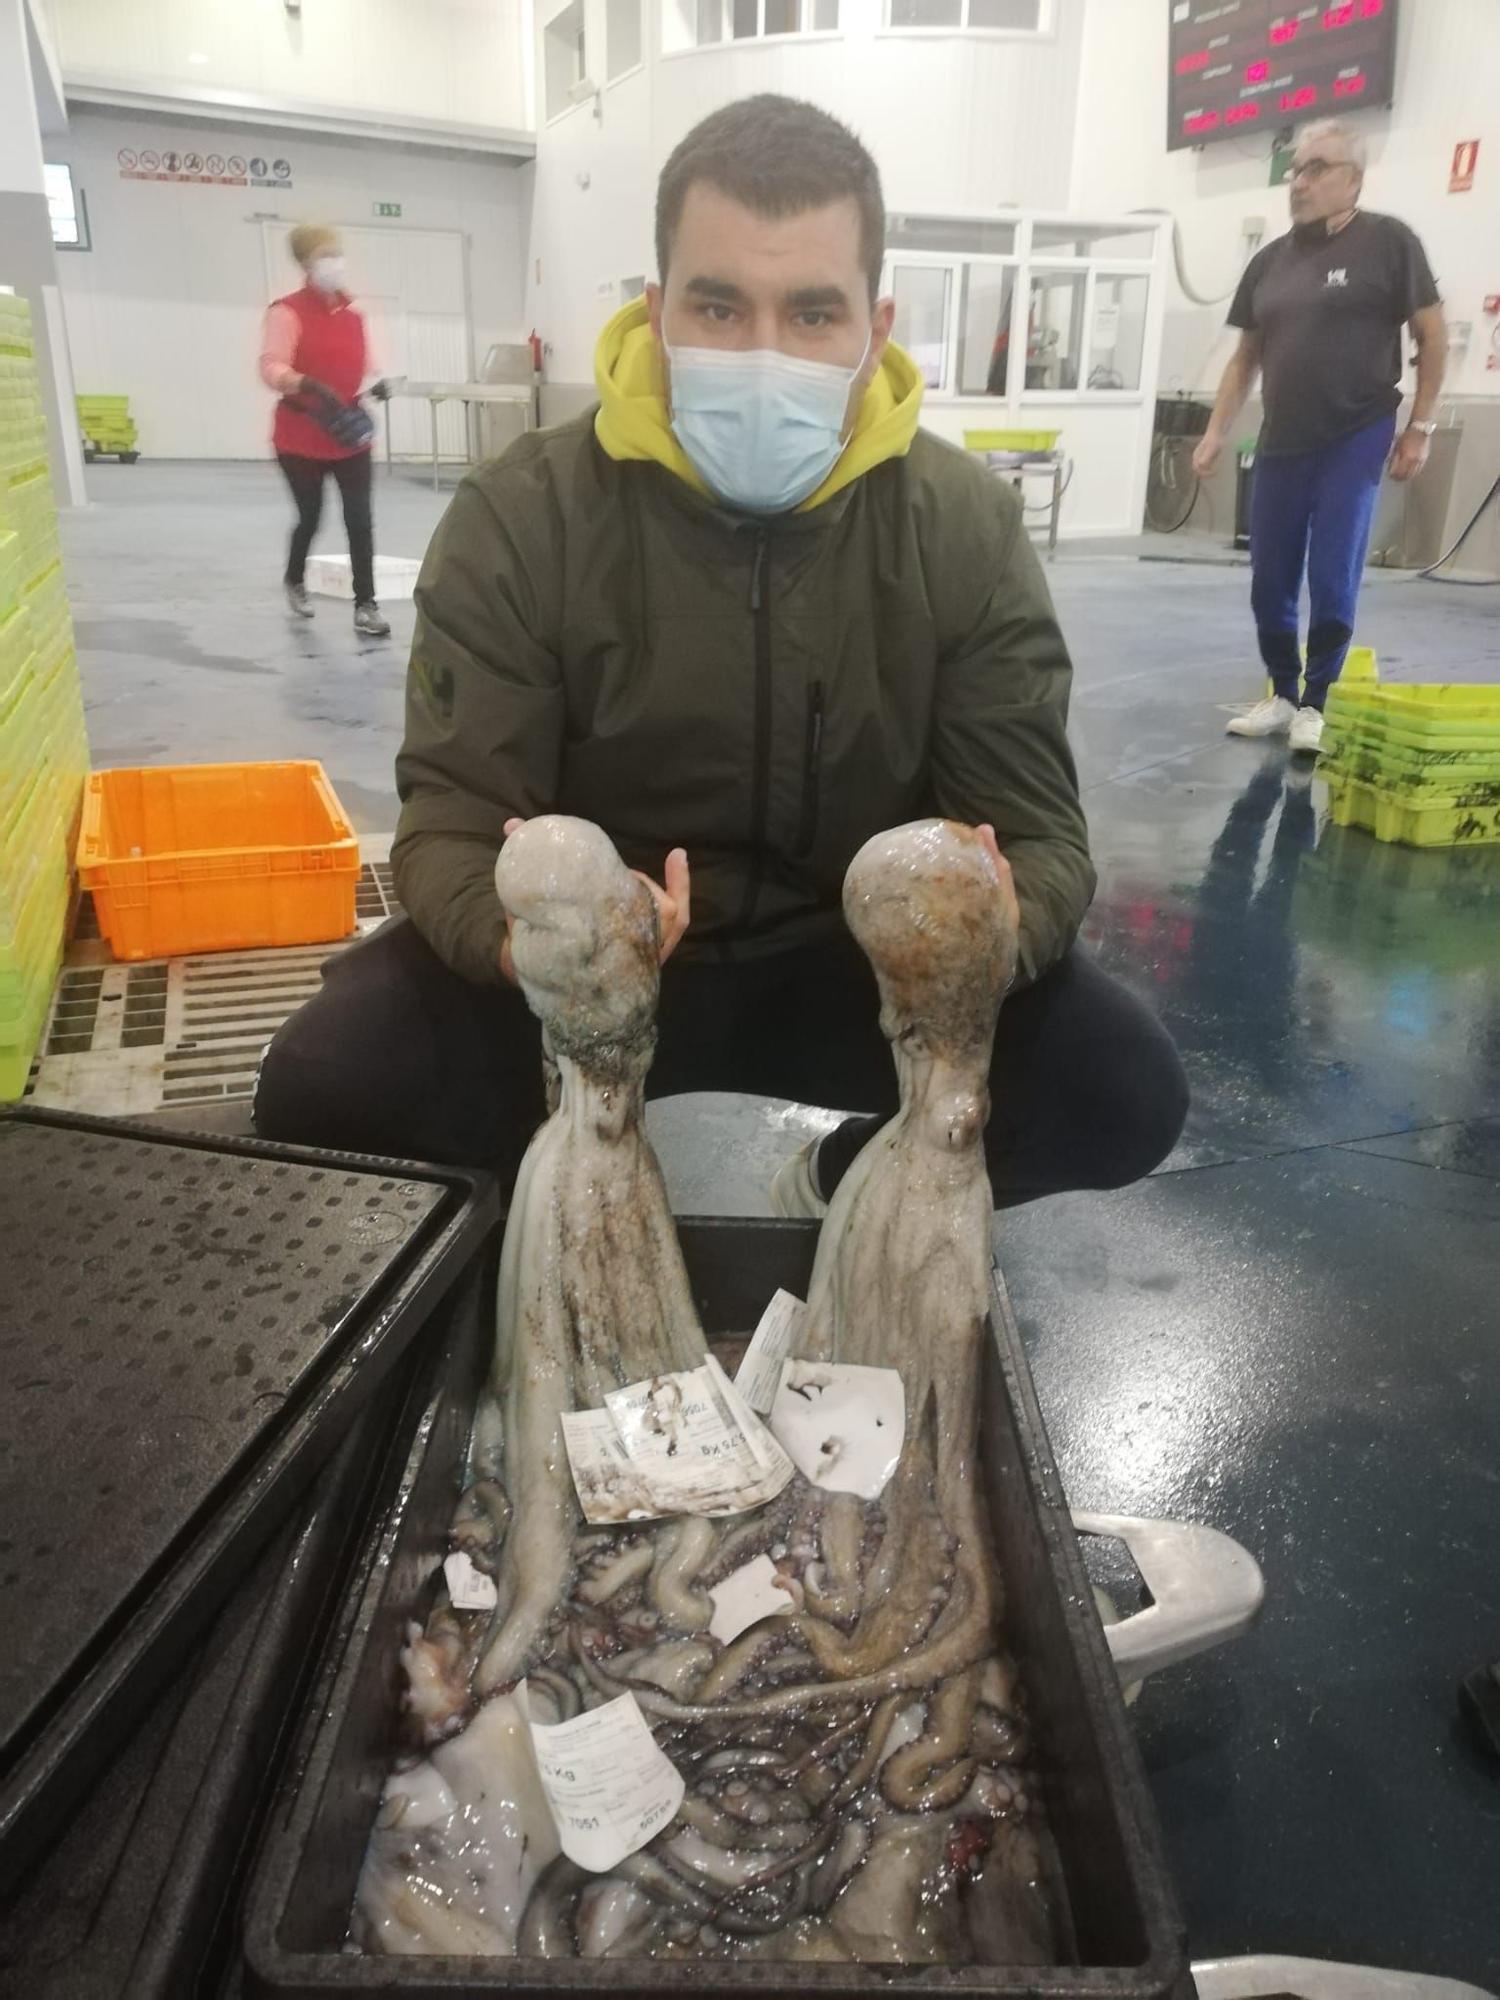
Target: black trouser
<point>396,1054</point>
<point>305,477</point>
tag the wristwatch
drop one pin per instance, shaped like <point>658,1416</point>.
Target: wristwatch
<point>1427,430</point>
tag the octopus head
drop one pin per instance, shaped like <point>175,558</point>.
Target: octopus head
<point>925,905</point>
<point>584,942</point>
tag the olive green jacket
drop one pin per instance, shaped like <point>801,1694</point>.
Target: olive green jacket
<point>594,637</point>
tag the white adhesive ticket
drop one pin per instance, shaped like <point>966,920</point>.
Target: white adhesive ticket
<point>748,1594</point>
<point>774,1341</point>
<point>843,1425</point>
<point>609,1787</point>
<point>469,1588</point>
<point>694,1444</point>
<point>683,1443</point>
<point>609,1488</point>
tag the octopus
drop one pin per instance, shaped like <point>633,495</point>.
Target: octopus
<point>856,1768</point>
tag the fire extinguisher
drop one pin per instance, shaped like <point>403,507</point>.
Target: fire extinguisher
<point>536,351</point>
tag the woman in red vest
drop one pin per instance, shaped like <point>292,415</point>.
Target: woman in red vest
<point>316,357</point>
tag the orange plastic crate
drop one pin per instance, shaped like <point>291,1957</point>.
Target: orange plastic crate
<point>217,857</point>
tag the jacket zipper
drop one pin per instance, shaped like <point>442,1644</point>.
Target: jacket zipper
<point>807,825</point>
<point>760,784</point>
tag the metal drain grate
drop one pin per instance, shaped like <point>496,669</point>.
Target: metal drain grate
<point>127,1039</point>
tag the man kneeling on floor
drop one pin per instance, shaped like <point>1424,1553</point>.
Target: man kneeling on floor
<point>744,616</point>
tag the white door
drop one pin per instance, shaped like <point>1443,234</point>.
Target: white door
<point>412,286</point>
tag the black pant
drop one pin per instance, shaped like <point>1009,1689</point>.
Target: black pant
<point>396,1054</point>
<point>305,477</point>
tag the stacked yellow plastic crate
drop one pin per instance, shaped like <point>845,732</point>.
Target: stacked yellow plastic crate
<point>1418,764</point>
<point>43,751</point>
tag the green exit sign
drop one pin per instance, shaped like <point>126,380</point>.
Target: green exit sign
<point>387,208</point>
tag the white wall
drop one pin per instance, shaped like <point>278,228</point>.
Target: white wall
<point>955,122</point>
<point>453,60</point>
<point>166,308</point>
<point>1447,89</point>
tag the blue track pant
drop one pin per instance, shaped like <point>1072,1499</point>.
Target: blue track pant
<point>1311,511</point>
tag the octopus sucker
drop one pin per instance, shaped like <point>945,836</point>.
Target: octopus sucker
<point>854,1764</point>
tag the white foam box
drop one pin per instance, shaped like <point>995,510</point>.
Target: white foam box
<point>331,576</point>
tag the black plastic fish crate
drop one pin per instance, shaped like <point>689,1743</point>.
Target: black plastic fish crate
<point>188,1327</point>
<point>1129,1935</point>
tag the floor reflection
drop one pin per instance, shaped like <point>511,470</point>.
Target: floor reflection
<point>1322,985</point>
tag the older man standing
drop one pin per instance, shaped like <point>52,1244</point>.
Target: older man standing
<point>1319,313</point>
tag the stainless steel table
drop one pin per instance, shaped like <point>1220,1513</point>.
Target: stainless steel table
<point>470,394</point>
<point>1050,465</point>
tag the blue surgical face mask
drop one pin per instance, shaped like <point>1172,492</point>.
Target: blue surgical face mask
<point>764,429</point>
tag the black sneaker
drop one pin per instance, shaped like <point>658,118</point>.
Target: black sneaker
<point>298,600</point>
<point>369,623</point>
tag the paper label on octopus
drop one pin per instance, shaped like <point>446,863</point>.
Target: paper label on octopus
<point>609,1786</point>
<point>843,1425</point>
<point>468,1587</point>
<point>683,1443</point>
<point>746,1596</point>
<point>609,1487</point>
<point>773,1341</point>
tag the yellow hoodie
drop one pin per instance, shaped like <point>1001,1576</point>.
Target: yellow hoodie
<point>633,423</point>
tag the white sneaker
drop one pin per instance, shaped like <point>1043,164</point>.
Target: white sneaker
<point>794,1192</point>
<point>1272,717</point>
<point>1307,731</point>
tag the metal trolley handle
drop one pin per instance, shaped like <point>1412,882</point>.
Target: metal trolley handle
<point>1205,1589</point>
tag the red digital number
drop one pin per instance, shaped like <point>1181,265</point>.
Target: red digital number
<point>1187,64</point>
<point>1257,72</point>
<point>1348,86</point>
<point>1204,122</point>
<point>1240,114</point>
<point>1368,9</point>
<point>1284,31</point>
<point>1299,100</point>
<point>1339,17</point>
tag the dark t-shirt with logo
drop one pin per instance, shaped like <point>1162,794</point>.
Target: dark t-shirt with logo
<point>1329,314</point>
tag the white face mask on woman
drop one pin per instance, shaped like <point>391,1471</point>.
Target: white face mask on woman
<point>326,273</point>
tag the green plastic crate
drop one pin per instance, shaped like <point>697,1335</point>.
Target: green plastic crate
<point>1428,714</point>
<point>1003,440</point>
<point>1400,769</point>
<point>1433,823</point>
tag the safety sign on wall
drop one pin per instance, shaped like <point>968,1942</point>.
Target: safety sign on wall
<point>1465,159</point>
<point>169,163</point>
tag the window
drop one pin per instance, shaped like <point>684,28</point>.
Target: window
<point>563,58</point>
<point>703,24</point>
<point>1117,338</point>
<point>622,37</point>
<point>988,306</point>
<point>1014,17</point>
<point>950,233</point>
<point>984,329</point>
<point>65,209</point>
<point>1054,329</point>
<point>1086,239</point>
<point>922,292</point>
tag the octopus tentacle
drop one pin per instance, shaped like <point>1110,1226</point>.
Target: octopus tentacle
<point>935,1772</point>
<point>680,1553</point>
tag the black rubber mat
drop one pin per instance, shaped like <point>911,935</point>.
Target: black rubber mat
<point>183,1323</point>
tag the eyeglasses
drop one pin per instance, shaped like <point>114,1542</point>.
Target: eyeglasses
<point>1314,170</point>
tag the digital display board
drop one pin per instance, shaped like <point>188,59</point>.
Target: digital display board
<point>1239,67</point>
